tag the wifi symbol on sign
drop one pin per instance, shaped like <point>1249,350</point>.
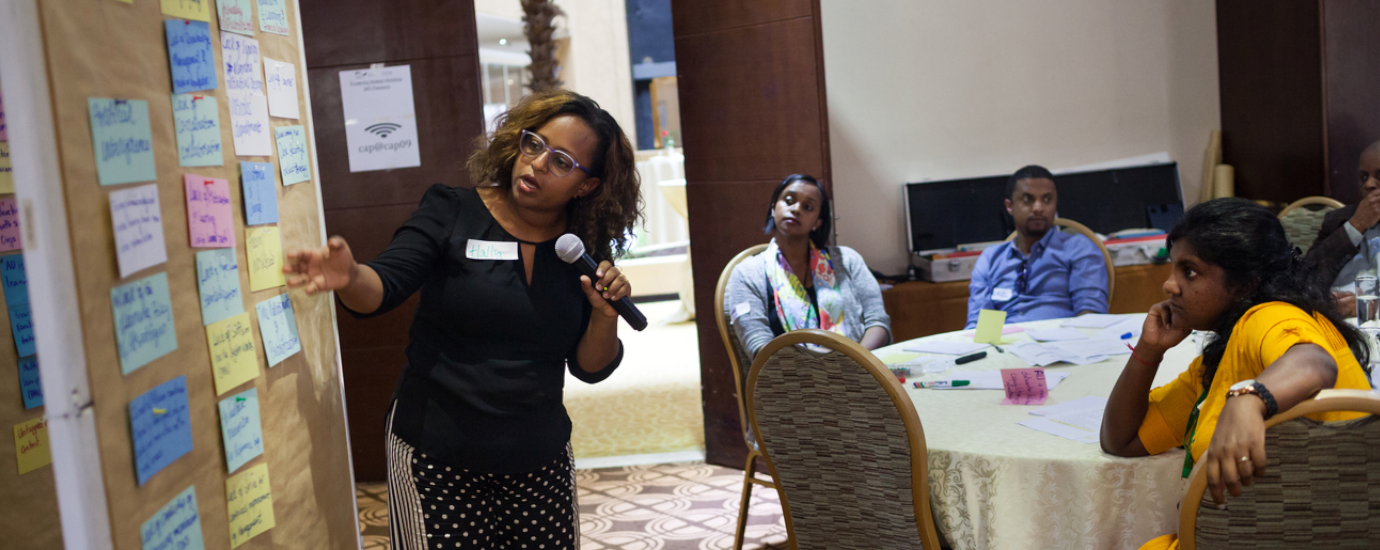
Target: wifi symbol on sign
<point>382,129</point>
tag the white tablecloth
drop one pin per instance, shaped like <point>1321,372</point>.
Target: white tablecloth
<point>997,485</point>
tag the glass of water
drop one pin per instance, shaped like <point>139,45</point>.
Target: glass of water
<point>1367,305</point>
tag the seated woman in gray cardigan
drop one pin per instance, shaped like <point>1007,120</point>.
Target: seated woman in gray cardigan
<point>766,297</point>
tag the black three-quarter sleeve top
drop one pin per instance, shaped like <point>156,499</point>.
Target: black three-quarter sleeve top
<point>488,352</point>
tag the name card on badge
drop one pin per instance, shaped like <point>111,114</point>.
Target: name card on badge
<point>491,250</point>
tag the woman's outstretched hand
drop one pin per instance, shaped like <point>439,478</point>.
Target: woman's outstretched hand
<point>331,267</point>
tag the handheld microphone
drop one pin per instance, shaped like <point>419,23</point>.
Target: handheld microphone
<point>571,250</point>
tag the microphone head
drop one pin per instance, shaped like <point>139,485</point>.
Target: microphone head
<point>569,248</point>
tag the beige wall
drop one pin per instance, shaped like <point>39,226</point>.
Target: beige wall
<point>940,89</point>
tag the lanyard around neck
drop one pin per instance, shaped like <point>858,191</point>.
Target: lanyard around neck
<point>1190,432</point>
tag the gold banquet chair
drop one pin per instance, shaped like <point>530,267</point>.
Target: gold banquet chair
<point>1321,487</point>
<point>844,444</point>
<point>1304,217</point>
<point>1106,255</point>
<point>737,357</point>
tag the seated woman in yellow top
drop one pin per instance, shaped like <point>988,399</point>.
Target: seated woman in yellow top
<point>1275,340</point>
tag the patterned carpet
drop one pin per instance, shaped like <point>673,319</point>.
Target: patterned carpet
<point>686,506</point>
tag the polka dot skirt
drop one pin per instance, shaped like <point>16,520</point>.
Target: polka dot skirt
<point>432,505</point>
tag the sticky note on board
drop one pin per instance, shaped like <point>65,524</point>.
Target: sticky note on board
<point>273,16</point>
<point>196,118</point>
<point>234,360</point>
<point>243,67</point>
<point>292,154</point>
<point>218,279</point>
<point>250,131</point>
<point>210,218</point>
<point>14,280</point>
<point>1024,386</point>
<point>240,428</point>
<point>144,328</point>
<point>161,425</point>
<point>138,222</point>
<point>177,525</point>
<point>30,386</point>
<point>4,126</point>
<point>190,55</point>
<point>122,141</point>
<point>249,501</point>
<point>236,16</point>
<point>265,252</point>
<point>22,325</point>
<point>9,226</point>
<point>989,326</point>
<point>31,445</point>
<point>260,193</point>
<point>281,79</point>
<point>199,10</point>
<point>278,328</point>
<point>6,169</point>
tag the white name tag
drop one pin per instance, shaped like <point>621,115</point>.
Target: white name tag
<point>491,250</point>
<point>1001,295</point>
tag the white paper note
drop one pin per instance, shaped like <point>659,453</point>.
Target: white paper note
<point>1080,404</point>
<point>380,118</point>
<point>946,348</point>
<point>249,121</point>
<point>243,68</point>
<point>1056,334</point>
<point>1131,325</point>
<point>138,228</point>
<point>1092,320</point>
<point>1064,430</point>
<point>1092,348</point>
<point>281,79</point>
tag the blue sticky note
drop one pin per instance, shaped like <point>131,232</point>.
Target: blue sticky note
<point>122,141</point>
<point>292,154</point>
<point>162,427</point>
<point>12,277</point>
<point>189,53</point>
<point>175,526</point>
<point>260,193</point>
<point>29,384</point>
<point>218,277</point>
<point>239,426</point>
<point>278,328</point>
<point>23,327</point>
<point>273,16</point>
<point>197,120</point>
<point>144,326</point>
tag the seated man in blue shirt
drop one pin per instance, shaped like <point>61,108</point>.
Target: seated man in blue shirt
<point>1043,273</point>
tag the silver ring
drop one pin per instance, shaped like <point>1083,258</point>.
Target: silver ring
<point>1244,459</point>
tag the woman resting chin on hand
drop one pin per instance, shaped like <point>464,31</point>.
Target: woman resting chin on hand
<point>1275,340</point>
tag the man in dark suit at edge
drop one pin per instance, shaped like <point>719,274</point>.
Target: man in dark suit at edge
<point>1348,243</point>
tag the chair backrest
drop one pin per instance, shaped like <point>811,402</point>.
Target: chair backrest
<point>737,356</point>
<point>1106,254</point>
<point>844,444</point>
<point>1304,217</point>
<point>1321,487</point>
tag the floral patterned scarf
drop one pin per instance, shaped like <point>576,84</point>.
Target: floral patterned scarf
<point>793,303</point>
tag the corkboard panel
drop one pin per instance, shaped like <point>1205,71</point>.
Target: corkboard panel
<point>117,50</point>
<point>29,511</point>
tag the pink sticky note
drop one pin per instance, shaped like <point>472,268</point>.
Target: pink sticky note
<point>9,226</point>
<point>209,219</point>
<point>1024,386</point>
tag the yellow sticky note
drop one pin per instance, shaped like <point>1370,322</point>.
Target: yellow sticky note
<point>6,171</point>
<point>234,360</point>
<point>989,326</point>
<point>31,445</point>
<point>898,358</point>
<point>265,251</point>
<point>199,10</point>
<point>250,504</point>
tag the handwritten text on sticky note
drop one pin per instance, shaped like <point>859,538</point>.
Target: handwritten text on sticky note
<point>260,193</point>
<point>144,326</point>
<point>265,251</point>
<point>29,384</point>
<point>6,169</point>
<point>273,16</point>
<point>14,279</point>
<point>162,427</point>
<point>278,328</point>
<point>234,360</point>
<point>218,279</point>
<point>249,124</point>
<point>250,504</point>
<point>4,126</point>
<point>236,16</point>
<point>199,10</point>
<point>240,428</point>
<point>138,228</point>
<point>9,226</point>
<point>243,67</point>
<point>175,526</point>
<point>122,139</point>
<point>1024,386</point>
<point>22,325</point>
<point>196,118</point>
<point>281,79</point>
<point>189,53</point>
<point>210,218</point>
<point>31,445</point>
<point>292,154</point>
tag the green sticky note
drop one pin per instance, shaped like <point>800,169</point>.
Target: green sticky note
<point>989,326</point>
<point>122,139</point>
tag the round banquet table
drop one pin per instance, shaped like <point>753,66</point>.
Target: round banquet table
<point>998,485</point>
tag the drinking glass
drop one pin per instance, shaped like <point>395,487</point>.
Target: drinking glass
<point>1367,305</point>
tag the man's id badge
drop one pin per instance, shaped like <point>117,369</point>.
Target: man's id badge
<point>491,250</point>
<point>1001,295</point>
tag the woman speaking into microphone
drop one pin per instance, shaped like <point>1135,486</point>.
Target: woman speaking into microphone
<point>478,438</point>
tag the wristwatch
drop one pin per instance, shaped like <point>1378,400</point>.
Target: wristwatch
<point>1256,388</point>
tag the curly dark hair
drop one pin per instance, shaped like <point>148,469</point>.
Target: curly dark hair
<point>1249,244</point>
<point>604,218</point>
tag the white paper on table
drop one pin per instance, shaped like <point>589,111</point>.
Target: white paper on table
<point>1082,403</point>
<point>1040,355</point>
<point>138,225</point>
<point>249,125</point>
<point>1092,320</point>
<point>946,348</point>
<point>1093,348</point>
<point>1056,334</point>
<point>281,79</point>
<point>991,379</point>
<point>929,364</point>
<point>1065,430</point>
<point>1130,325</point>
